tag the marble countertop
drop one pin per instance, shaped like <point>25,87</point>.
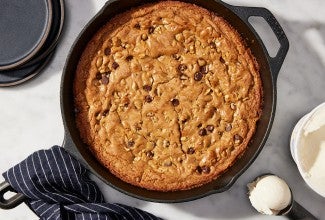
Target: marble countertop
<point>30,116</point>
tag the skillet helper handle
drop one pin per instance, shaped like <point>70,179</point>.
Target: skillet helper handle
<point>246,12</point>
<point>12,202</point>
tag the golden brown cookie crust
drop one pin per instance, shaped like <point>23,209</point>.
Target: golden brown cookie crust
<point>168,96</point>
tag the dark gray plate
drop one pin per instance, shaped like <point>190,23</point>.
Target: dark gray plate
<point>24,28</point>
<point>54,35</point>
<point>18,76</point>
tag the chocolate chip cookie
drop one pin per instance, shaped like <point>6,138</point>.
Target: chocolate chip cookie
<point>168,96</point>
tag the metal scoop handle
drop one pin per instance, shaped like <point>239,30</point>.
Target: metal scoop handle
<point>297,212</point>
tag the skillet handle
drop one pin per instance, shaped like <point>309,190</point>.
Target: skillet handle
<point>12,202</point>
<point>246,12</point>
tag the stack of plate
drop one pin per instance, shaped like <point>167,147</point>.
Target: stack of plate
<point>29,33</point>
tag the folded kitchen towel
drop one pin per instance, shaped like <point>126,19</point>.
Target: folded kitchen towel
<point>57,186</point>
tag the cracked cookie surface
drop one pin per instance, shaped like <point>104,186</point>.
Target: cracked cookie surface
<point>167,96</point>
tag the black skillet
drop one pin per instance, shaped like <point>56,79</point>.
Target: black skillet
<point>237,16</point>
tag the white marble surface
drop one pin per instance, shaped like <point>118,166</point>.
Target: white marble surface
<point>30,115</point>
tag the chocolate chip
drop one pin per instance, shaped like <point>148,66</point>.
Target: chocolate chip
<point>199,125</point>
<point>137,26</point>
<point>166,143</point>
<point>205,169</point>
<point>148,98</point>
<point>150,154</point>
<point>130,143</point>
<point>213,45</point>
<point>228,127</point>
<point>199,169</point>
<point>115,65</point>
<point>190,150</point>
<point>182,67</point>
<point>176,56</point>
<point>210,128</point>
<point>198,76</point>
<point>204,69</point>
<point>105,112</point>
<point>222,60</point>
<point>99,76</point>
<point>147,88</point>
<point>137,127</point>
<point>151,29</point>
<point>105,80</point>
<point>203,132</point>
<point>129,58</point>
<point>175,102</point>
<point>107,51</point>
<point>238,139</point>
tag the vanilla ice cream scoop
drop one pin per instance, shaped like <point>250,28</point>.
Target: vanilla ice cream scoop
<point>269,194</point>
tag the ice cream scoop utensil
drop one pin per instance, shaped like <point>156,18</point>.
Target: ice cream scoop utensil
<point>271,195</point>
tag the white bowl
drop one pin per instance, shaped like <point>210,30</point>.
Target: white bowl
<point>295,143</point>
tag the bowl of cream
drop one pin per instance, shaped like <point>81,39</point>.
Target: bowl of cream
<point>307,146</point>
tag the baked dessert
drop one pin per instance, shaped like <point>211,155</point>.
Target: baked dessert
<point>167,96</point>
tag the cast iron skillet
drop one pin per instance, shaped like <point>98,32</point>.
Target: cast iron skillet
<point>237,16</point>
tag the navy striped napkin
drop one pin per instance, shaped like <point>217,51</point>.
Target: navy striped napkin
<point>58,187</point>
